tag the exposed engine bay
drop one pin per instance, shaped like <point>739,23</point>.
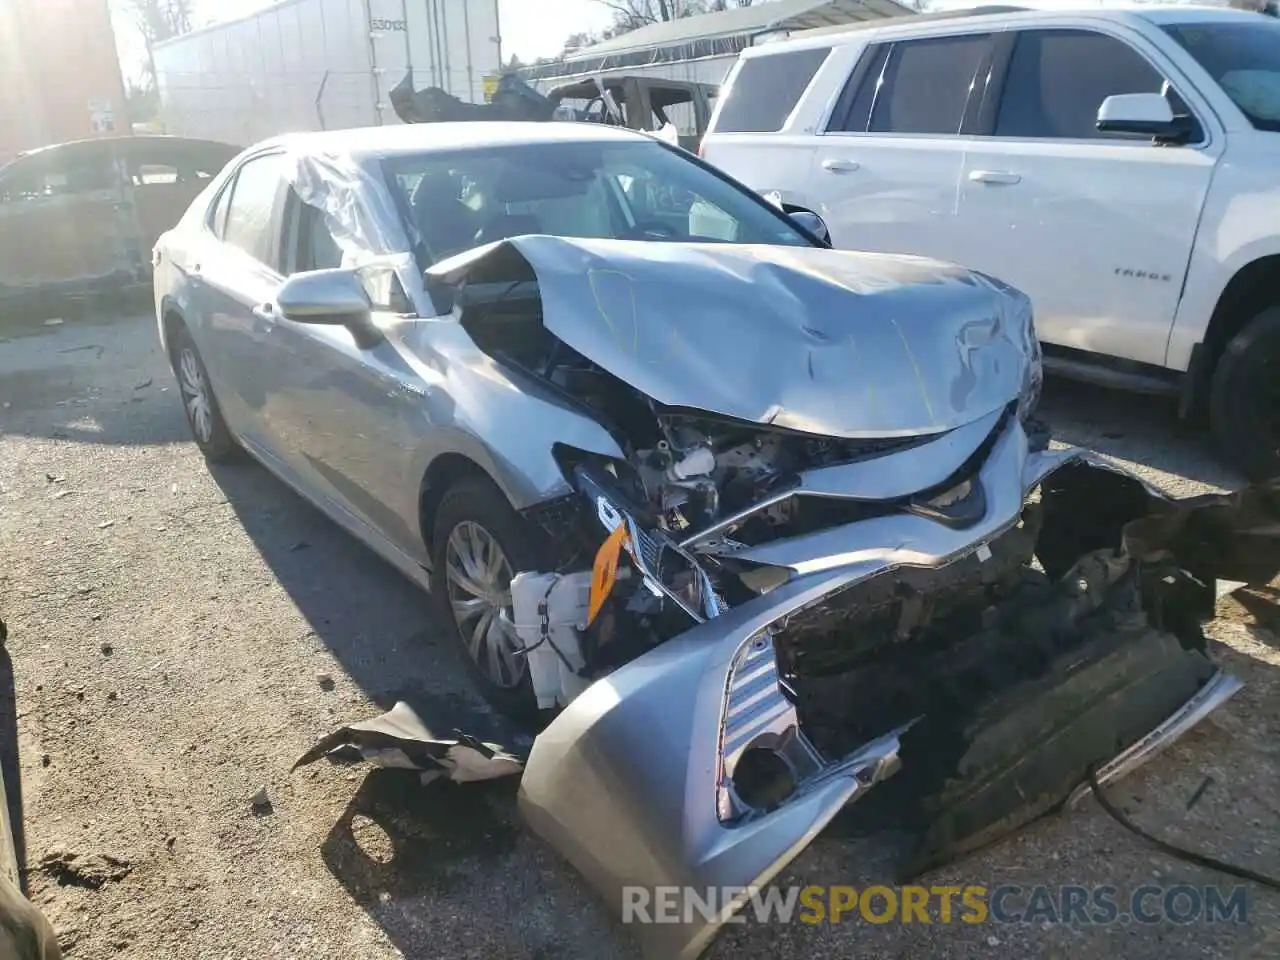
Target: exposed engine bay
<point>767,602</point>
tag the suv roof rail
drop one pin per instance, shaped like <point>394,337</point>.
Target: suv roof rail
<point>988,10</point>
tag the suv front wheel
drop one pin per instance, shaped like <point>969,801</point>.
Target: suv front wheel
<point>1244,398</point>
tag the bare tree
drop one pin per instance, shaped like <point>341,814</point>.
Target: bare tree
<point>160,20</point>
<point>633,14</point>
<point>157,21</point>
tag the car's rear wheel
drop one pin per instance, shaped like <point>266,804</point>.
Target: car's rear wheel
<point>1244,398</point>
<point>198,402</point>
<point>479,543</point>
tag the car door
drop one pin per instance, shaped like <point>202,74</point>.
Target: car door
<point>1096,228</point>
<point>351,425</point>
<point>887,168</point>
<point>64,221</point>
<point>235,270</point>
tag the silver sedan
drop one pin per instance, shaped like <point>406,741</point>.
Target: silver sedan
<point>759,521</point>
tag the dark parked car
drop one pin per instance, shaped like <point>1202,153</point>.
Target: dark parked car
<point>80,219</point>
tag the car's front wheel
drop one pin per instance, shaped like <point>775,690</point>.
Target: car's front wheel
<point>198,402</point>
<point>479,544</point>
<point>1244,398</point>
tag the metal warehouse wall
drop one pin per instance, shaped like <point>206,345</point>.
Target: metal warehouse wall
<point>322,64</point>
<point>59,74</point>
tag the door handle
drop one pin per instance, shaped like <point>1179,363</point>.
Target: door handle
<point>995,176</point>
<point>840,166</point>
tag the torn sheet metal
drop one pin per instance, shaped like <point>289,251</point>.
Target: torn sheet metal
<point>820,341</point>
<point>512,100</point>
<point>399,739</point>
<point>361,217</point>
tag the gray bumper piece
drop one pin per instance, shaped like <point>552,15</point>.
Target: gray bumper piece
<point>623,783</point>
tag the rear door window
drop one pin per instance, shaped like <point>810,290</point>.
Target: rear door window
<point>1058,79</point>
<point>314,247</point>
<point>766,90</point>
<point>250,213</point>
<point>925,84</point>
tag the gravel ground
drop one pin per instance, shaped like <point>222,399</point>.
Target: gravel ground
<point>180,636</point>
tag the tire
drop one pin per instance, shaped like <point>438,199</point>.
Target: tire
<point>204,416</point>
<point>475,511</point>
<point>1244,398</point>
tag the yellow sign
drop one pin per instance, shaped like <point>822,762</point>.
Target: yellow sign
<point>490,87</point>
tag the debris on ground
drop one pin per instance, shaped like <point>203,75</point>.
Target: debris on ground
<point>400,739</point>
<point>261,801</point>
<point>91,871</point>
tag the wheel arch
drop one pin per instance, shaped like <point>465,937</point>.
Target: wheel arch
<point>171,321</point>
<point>1254,287</point>
<point>444,472</point>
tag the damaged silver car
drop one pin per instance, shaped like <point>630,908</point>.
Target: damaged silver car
<point>748,525</point>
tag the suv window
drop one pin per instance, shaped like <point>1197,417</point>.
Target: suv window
<point>924,86</point>
<point>1058,79</point>
<point>1245,59</point>
<point>249,213</point>
<point>766,90</point>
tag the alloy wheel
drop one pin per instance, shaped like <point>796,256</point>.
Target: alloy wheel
<point>478,577</point>
<point>195,394</point>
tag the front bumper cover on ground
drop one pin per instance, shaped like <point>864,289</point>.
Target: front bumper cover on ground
<point>624,783</point>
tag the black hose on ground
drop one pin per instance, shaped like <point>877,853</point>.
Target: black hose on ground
<point>1190,856</point>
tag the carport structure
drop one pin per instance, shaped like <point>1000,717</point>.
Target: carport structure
<point>703,48</point>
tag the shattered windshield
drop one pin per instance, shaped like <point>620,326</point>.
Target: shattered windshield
<point>1245,60</point>
<point>639,190</point>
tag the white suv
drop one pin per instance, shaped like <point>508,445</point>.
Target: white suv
<point>1121,166</point>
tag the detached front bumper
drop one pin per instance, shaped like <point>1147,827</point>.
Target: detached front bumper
<point>629,782</point>
<point>624,782</point>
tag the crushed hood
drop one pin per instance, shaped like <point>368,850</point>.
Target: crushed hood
<point>821,341</point>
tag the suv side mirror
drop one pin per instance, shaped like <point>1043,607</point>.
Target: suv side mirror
<point>813,223</point>
<point>334,297</point>
<point>1143,114</point>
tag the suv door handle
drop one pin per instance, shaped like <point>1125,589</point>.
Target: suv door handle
<point>840,166</point>
<point>995,176</point>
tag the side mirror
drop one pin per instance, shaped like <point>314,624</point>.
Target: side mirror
<point>324,296</point>
<point>810,221</point>
<point>1143,114</point>
<point>335,297</point>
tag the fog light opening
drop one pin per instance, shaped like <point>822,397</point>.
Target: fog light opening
<point>763,779</point>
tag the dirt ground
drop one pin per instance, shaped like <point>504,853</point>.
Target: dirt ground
<point>179,636</point>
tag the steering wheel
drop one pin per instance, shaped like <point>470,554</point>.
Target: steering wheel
<point>654,230</point>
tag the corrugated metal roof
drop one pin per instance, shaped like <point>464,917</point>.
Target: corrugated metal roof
<point>766,17</point>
